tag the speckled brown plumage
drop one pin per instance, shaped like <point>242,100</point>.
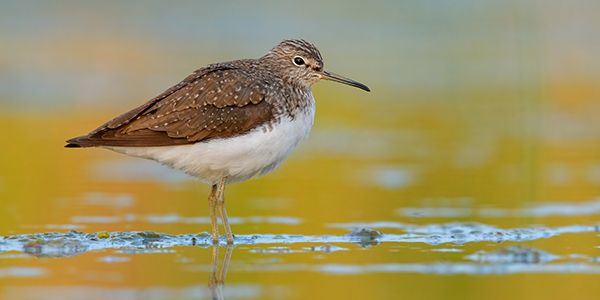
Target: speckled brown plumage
<point>221,100</point>
<point>218,101</point>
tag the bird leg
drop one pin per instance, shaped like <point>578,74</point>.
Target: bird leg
<point>212,205</point>
<point>222,210</point>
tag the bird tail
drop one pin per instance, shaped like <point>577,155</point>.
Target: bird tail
<point>80,142</point>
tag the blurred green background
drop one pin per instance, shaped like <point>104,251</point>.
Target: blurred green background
<point>474,104</point>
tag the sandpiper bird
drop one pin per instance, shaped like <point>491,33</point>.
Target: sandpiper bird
<point>226,122</point>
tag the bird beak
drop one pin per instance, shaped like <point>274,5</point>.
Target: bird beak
<point>341,79</point>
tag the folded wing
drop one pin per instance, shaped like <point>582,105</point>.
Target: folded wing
<point>218,101</point>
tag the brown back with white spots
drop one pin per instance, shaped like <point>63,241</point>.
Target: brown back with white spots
<point>218,101</point>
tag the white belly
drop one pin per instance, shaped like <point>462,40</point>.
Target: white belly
<point>239,158</point>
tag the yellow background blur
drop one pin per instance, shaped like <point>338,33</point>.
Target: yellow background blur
<point>474,104</point>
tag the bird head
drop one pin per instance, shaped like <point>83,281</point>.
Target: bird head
<point>300,62</point>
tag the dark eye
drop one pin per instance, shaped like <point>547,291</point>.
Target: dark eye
<point>298,61</point>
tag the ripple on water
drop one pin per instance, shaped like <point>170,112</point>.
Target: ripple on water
<point>508,260</point>
<point>233,291</point>
<point>390,177</point>
<point>73,243</point>
<point>128,170</point>
<point>467,232</point>
<point>22,272</point>
<point>564,209</point>
<point>284,250</point>
<point>513,255</point>
<point>448,250</point>
<point>443,268</point>
<point>111,259</point>
<point>175,219</point>
<point>103,199</point>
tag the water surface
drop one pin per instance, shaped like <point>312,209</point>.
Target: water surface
<point>471,171</point>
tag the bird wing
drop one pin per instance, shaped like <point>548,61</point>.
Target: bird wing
<point>214,102</point>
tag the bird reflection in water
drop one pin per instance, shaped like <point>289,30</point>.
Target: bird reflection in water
<point>216,279</point>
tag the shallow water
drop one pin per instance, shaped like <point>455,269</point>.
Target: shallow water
<point>471,171</point>
<point>69,264</point>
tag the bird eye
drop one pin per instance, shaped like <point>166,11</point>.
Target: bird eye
<point>298,61</point>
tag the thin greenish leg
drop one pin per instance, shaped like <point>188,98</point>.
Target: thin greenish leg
<point>212,205</point>
<point>222,210</point>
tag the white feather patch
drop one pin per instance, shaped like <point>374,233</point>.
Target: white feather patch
<point>239,158</point>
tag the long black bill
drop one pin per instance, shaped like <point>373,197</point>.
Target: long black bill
<point>344,80</point>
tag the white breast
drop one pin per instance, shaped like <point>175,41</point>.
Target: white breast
<point>239,158</point>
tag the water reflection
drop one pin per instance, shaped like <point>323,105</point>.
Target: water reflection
<point>216,280</point>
